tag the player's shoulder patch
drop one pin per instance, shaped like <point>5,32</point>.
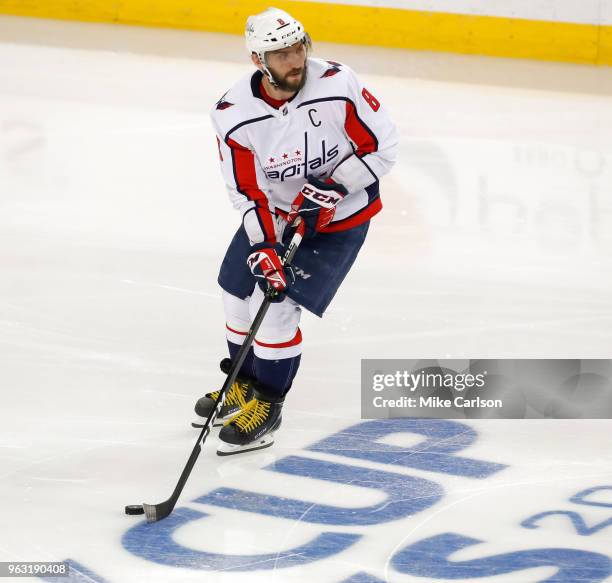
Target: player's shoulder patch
<point>235,96</point>
<point>332,69</point>
<point>223,103</point>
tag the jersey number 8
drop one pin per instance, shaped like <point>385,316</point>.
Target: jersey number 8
<point>370,99</point>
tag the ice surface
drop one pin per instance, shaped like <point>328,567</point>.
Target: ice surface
<point>495,241</point>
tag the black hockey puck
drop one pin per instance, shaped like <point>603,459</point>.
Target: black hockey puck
<point>134,509</point>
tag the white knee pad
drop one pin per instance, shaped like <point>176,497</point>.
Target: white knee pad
<point>279,335</point>
<point>237,319</point>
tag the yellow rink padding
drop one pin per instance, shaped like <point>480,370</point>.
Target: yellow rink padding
<point>366,25</point>
<point>605,46</point>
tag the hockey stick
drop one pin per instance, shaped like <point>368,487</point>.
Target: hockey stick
<point>155,512</point>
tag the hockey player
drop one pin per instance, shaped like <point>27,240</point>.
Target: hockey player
<point>300,137</point>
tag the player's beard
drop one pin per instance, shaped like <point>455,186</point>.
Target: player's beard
<point>288,82</point>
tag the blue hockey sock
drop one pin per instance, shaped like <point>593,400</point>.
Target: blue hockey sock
<point>248,368</point>
<point>276,376</point>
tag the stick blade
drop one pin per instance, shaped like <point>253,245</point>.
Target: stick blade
<point>156,512</point>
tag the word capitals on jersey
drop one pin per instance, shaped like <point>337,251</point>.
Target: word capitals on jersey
<point>297,165</point>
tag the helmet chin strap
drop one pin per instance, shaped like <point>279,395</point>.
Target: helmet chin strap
<point>267,71</point>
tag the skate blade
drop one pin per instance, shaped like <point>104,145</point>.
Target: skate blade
<point>232,449</point>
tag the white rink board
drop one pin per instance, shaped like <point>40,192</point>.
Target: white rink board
<point>575,11</point>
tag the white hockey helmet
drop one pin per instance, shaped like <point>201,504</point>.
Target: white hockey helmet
<point>271,30</point>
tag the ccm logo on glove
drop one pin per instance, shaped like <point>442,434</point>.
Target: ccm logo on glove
<point>316,204</point>
<point>325,199</point>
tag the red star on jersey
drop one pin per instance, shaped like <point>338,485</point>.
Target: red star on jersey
<point>271,159</point>
<point>298,153</point>
<point>285,155</point>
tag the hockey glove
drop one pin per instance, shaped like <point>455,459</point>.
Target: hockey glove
<point>265,264</point>
<point>316,204</point>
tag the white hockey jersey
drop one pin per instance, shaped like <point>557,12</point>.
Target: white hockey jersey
<point>333,127</point>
